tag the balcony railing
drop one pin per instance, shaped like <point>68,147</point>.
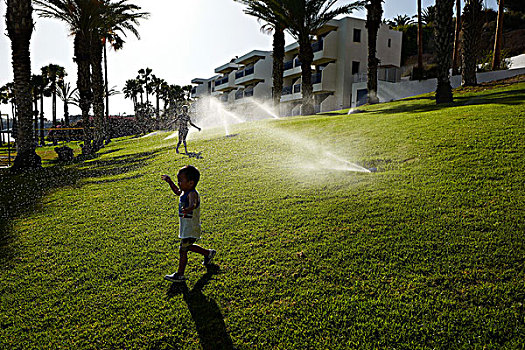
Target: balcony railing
<point>288,65</point>
<point>297,62</point>
<point>239,94</point>
<point>317,46</point>
<point>297,88</point>
<point>248,93</point>
<point>239,74</point>
<point>287,90</point>
<point>249,71</point>
<point>317,77</point>
<point>224,80</point>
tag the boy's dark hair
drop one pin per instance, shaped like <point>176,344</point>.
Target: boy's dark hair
<point>191,173</point>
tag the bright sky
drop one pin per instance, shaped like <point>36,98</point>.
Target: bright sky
<point>180,41</point>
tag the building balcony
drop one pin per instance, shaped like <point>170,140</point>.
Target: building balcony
<point>225,84</point>
<point>324,81</point>
<point>325,50</point>
<point>292,68</point>
<point>249,76</point>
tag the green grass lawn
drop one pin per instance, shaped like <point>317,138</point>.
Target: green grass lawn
<point>427,252</point>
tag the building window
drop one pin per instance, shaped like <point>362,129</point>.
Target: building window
<point>357,35</point>
<point>355,67</point>
<point>389,42</point>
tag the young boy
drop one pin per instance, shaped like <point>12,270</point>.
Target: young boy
<point>189,218</point>
<point>182,122</point>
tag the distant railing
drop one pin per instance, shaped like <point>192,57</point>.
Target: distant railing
<point>296,88</point>
<point>297,62</point>
<point>221,81</point>
<point>248,93</point>
<point>239,94</point>
<point>288,65</point>
<point>249,71</point>
<point>239,74</point>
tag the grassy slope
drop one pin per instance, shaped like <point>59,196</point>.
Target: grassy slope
<point>426,253</point>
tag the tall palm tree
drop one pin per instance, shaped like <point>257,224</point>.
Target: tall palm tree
<point>268,11</point>
<point>496,57</point>
<point>67,94</point>
<point>131,90</point>
<point>419,40</point>
<point>444,34</point>
<point>472,29</point>
<point>144,77</point>
<point>156,86</point>
<point>55,74</point>
<point>19,22</point>
<point>82,17</point>
<point>457,31</point>
<point>303,19</point>
<point>374,12</point>
<point>38,87</point>
<point>117,18</point>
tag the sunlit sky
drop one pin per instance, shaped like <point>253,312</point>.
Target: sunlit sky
<point>180,41</point>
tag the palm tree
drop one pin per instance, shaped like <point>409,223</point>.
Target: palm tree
<point>496,58</point>
<point>428,16</point>
<point>117,18</point>
<point>268,11</point>
<point>374,11</point>
<point>156,85</point>
<point>444,34</point>
<point>303,19</point>
<point>19,22</point>
<point>144,77</point>
<point>38,86</point>
<point>55,74</point>
<point>455,53</point>
<point>419,40</point>
<point>400,20</point>
<point>131,90</point>
<point>67,94</point>
<point>81,17</point>
<point>472,28</point>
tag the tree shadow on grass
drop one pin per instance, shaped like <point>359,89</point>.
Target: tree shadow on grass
<point>21,193</point>
<point>205,312</point>
<point>511,98</point>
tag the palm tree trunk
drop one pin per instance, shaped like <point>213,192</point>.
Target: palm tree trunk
<point>84,88</point>
<point>20,27</point>
<point>496,58</point>
<point>444,33</point>
<point>42,136</point>
<point>306,56</point>
<point>54,110</point>
<point>98,92</point>
<point>419,40</point>
<point>472,29</point>
<point>455,54</point>
<point>373,21</point>
<point>106,119</point>
<point>278,66</point>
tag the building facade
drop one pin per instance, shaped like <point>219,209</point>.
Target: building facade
<point>340,60</point>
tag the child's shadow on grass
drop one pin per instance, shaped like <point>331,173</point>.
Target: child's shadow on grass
<point>205,312</point>
<point>194,155</point>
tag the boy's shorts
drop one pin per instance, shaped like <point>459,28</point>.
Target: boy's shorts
<point>185,243</point>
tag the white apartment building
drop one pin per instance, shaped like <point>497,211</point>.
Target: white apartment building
<point>340,60</point>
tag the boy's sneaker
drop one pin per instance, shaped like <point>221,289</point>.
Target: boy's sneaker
<point>175,277</point>
<point>209,258</point>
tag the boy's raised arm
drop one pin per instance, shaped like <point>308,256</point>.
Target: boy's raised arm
<point>174,187</point>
